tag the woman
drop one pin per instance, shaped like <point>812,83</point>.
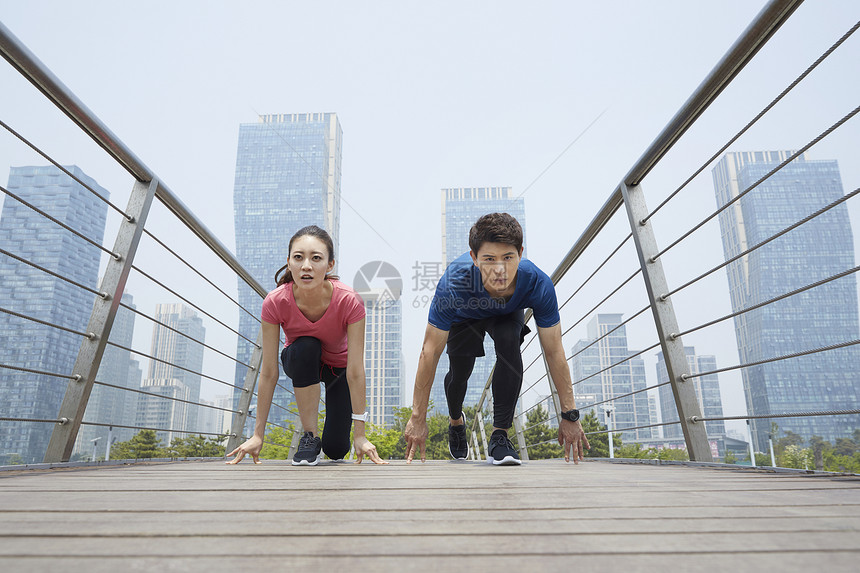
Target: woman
<point>323,321</point>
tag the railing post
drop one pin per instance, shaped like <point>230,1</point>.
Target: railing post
<point>237,429</point>
<point>483,434</point>
<point>521,441</point>
<point>298,430</point>
<point>667,325</point>
<point>101,320</point>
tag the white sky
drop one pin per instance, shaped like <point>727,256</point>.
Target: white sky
<point>436,95</point>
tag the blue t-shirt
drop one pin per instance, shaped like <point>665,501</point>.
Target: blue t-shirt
<point>460,295</point>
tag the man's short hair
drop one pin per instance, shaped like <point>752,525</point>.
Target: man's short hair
<point>496,228</point>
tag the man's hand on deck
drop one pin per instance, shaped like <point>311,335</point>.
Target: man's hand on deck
<point>571,436</point>
<point>416,437</point>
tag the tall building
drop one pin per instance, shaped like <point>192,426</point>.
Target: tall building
<point>34,293</point>
<point>383,355</point>
<point>823,316</point>
<point>175,374</point>
<point>630,411</point>
<point>216,420</point>
<point>707,392</point>
<point>288,173</point>
<point>106,404</point>
<point>461,207</point>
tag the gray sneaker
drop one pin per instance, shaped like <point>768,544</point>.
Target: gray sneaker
<point>309,451</point>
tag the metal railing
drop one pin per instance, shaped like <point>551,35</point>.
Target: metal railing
<point>628,196</point>
<point>107,298</point>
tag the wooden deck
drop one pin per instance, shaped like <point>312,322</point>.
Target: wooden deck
<point>459,516</point>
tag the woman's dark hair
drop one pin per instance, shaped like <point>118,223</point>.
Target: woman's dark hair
<point>496,228</point>
<point>309,231</point>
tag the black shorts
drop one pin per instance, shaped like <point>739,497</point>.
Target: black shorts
<point>467,338</point>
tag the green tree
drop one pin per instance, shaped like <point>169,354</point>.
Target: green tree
<point>599,441</point>
<point>762,460</point>
<point>790,439</point>
<point>635,451</point>
<point>730,458</point>
<point>673,454</point>
<point>541,440</point>
<point>143,445</point>
<point>818,446</point>
<point>196,446</point>
<point>845,447</point>
<point>793,456</point>
<point>276,444</point>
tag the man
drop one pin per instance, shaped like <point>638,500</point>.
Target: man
<point>485,291</point>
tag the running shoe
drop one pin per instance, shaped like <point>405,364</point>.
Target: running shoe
<point>502,452</point>
<point>309,451</point>
<point>458,444</point>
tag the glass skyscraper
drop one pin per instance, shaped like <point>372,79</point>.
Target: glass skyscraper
<point>179,378</point>
<point>288,176</point>
<point>29,291</point>
<point>707,393</point>
<point>630,411</point>
<point>461,207</point>
<point>816,318</point>
<point>383,355</point>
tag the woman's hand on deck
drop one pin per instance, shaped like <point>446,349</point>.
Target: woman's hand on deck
<point>251,447</point>
<point>363,447</point>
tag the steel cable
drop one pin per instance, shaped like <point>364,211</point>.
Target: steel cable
<point>767,176</point>
<point>788,229</point>
<point>46,323</point>
<point>172,399</point>
<point>66,171</point>
<point>204,277</point>
<point>60,223</point>
<point>179,332</point>
<point>611,366</point>
<point>115,345</point>
<point>40,372</point>
<point>174,293</point>
<point>776,359</point>
<point>53,274</point>
<point>41,420</point>
<point>697,419</point>
<point>769,301</point>
<point>606,260</point>
<point>761,114</point>
<point>108,425</point>
<point>607,297</point>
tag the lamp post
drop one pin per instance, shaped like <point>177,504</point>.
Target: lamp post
<point>95,442</point>
<point>770,445</point>
<point>608,411</point>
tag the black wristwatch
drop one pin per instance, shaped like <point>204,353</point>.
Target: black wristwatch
<point>571,415</point>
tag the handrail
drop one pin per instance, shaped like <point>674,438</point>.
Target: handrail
<point>32,68</point>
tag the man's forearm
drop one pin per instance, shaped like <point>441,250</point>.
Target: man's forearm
<point>561,378</point>
<point>423,383</point>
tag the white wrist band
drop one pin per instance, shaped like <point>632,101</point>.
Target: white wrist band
<point>361,417</point>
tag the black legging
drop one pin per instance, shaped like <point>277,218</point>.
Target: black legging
<point>302,363</point>
<point>507,376</point>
